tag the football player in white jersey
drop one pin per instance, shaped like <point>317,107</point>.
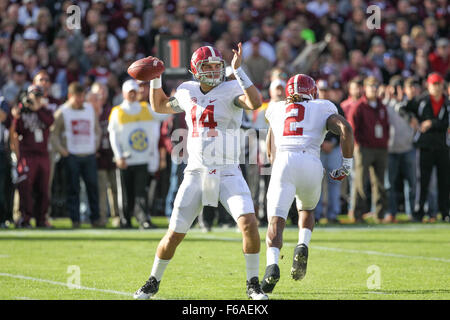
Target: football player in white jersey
<point>297,129</point>
<point>213,109</point>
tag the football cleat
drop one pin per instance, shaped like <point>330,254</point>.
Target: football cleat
<point>149,289</point>
<point>254,291</point>
<point>298,270</point>
<point>271,278</point>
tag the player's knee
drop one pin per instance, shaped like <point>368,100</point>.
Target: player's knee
<point>248,223</point>
<point>173,239</point>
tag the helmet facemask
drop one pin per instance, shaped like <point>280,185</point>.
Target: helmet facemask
<point>210,78</point>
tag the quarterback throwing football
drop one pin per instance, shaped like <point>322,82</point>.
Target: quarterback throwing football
<point>297,130</point>
<point>213,109</point>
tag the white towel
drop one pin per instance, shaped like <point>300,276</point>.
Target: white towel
<point>210,187</point>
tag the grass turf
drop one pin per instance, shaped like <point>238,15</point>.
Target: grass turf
<point>413,260</point>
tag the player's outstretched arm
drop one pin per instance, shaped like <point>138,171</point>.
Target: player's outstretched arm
<point>270,144</point>
<point>251,99</point>
<point>338,125</point>
<point>159,102</point>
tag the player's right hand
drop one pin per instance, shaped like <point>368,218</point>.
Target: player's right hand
<point>341,173</point>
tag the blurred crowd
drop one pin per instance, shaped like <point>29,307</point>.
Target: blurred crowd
<point>59,87</point>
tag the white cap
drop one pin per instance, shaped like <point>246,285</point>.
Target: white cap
<point>277,82</point>
<point>130,85</point>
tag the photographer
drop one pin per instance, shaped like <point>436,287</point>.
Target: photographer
<point>32,121</point>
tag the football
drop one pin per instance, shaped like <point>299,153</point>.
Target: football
<point>146,69</point>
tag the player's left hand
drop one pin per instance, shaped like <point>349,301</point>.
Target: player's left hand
<point>341,173</point>
<point>237,58</point>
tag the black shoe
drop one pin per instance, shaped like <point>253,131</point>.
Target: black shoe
<point>254,291</point>
<point>149,289</point>
<point>22,224</point>
<point>298,270</point>
<point>271,278</point>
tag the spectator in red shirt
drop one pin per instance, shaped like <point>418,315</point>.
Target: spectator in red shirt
<point>440,58</point>
<point>370,124</point>
<point>355,91</point>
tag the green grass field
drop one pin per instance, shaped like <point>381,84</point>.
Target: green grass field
<point>413,262</point>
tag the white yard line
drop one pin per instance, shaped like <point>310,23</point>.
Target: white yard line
<point>4,255</point>
<point>18,276</point>
<point>377,253</point>
<point>369,252</point>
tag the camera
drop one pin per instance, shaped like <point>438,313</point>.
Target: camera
<point>26,99</point>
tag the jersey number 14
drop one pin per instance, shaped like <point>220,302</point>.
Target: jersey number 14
<point>294,119</point>
<point>206,121</point>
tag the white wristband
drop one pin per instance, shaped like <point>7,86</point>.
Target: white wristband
<point>155,83</point>
<point>242,78</point>
<point>348,162</point>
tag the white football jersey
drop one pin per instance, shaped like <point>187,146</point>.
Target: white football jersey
<point>300,125</point>
<point>213,123</point>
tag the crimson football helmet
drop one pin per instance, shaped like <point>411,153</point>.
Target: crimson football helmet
<point>303,85</point>
<point>207,54</point>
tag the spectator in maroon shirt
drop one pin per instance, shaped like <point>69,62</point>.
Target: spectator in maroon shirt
<point>369,120</point>
<point>32,121</point>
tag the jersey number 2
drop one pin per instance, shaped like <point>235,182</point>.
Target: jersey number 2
<point>206,121</point>
<point>293,119</point>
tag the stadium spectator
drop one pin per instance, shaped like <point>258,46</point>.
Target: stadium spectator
<point>432,111</point>
<point>440,58</point>
<point>4,111</point>
<point>76,135</point>
<point>355,92</point>
<point>17,83</point>
<point>32,121</point>
<point>28,12</point>
<point>402,154</point>
<point>131,130</point>
<point>107,182</point>
<point>255,64</point>
<point>370,124</point>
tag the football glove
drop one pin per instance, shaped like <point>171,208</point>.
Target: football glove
<point>343,171</point>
